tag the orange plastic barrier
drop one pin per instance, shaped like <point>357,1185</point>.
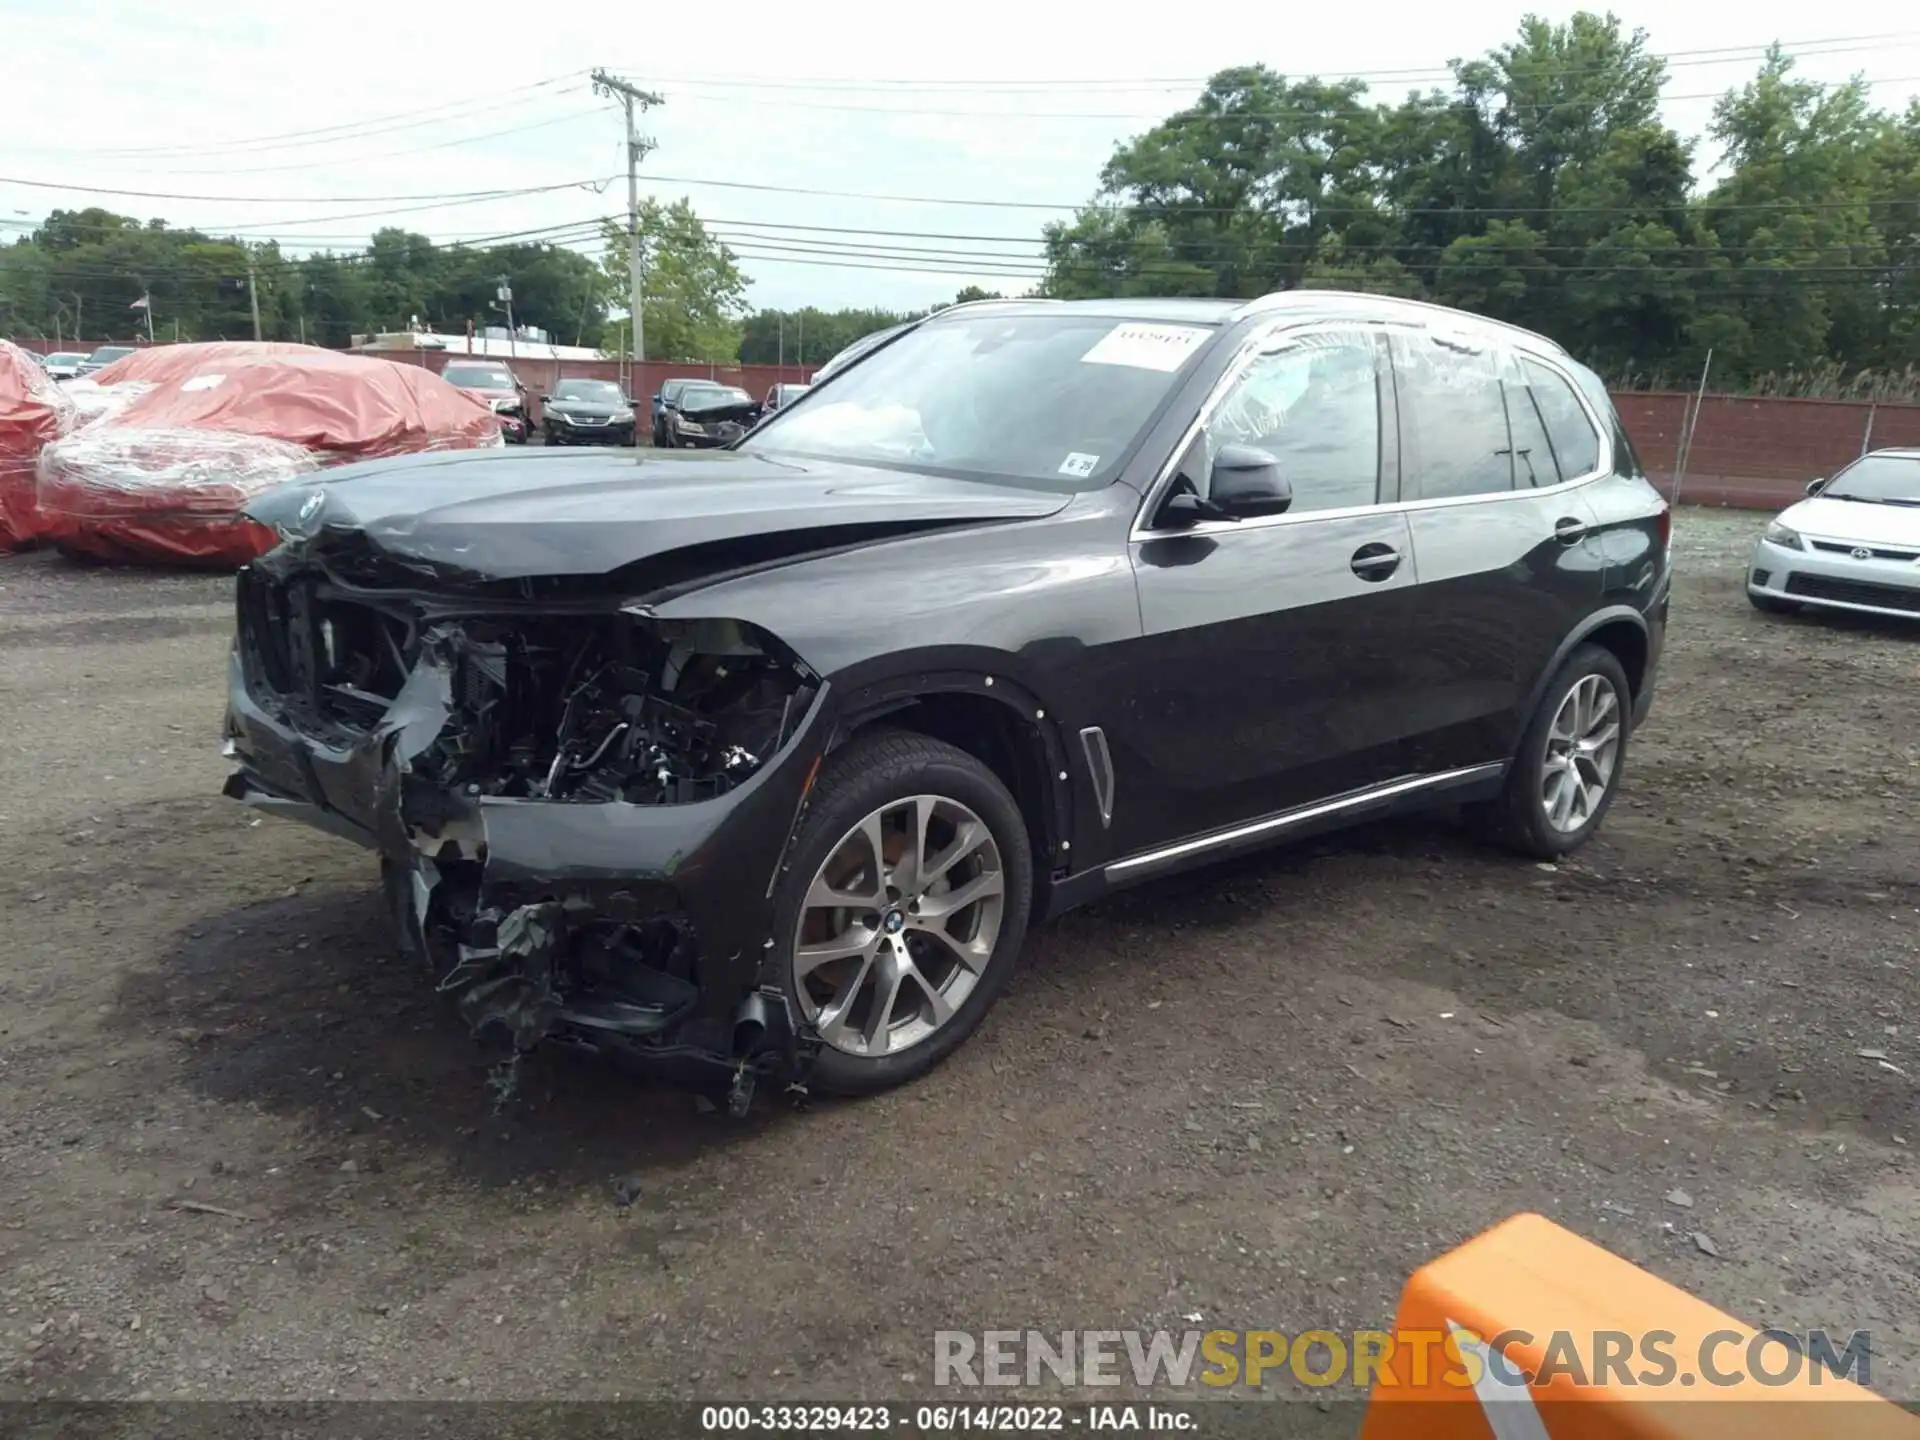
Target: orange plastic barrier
<point>1585,1346</point>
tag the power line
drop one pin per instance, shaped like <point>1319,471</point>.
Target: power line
<point>1712,55</point>
<point>342,161</point>
<point>1180,208</point>
<point>319,134</point>
<point>595,185</point>
<point>1535,108</point>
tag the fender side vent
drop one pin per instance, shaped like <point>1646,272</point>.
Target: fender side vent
<point>1100,766</point>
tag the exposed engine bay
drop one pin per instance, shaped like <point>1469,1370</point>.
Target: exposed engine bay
<point>589,706</point>
<point>490,728</point>
<point>610,710</point>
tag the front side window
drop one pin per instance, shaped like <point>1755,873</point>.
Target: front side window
<point>1314,405</point>
<point>1453,417</point>
<point>1057,399</point>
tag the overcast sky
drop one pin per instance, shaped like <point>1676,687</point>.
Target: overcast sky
<point>299,121</point>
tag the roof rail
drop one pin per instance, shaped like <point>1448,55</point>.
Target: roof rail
<point>1002,300</point>
<point>1274,300</point>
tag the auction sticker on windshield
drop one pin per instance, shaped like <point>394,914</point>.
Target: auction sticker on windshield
<point>1078,464</point>
<point>1146,347</point>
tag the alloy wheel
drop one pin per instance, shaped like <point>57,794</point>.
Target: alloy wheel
<point>898,925</point>
<point>1583,749</point>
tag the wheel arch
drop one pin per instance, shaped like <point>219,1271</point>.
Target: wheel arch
<point>1001,724</point>
<point>1620,629</point>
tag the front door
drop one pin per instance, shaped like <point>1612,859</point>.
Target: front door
<point>1272,661</point>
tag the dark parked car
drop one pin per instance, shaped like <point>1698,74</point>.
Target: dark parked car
<point>496,385</point>
<point>703,414</point>
<point>588,412</point>
<point>103,357</point>
<point>761,764</point>
<point>666,399</point>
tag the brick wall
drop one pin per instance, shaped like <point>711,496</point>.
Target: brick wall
<point>1759,452</point>
<point>1751,452</point>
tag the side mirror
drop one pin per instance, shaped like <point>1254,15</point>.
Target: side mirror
<point>1184,508</point>
<point>1814,487</point>
<point>1247,482</point>
<point>656,399</point>
<point>545,398</point>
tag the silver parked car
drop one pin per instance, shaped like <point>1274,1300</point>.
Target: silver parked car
<point>1852,544</point>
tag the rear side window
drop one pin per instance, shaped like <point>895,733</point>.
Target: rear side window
<point>1453,417</point>
<point>1535,461</point>
<point>1576,444</point>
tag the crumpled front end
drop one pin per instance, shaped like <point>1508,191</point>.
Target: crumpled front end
<point>580,810</point>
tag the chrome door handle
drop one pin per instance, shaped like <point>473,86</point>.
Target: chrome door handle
<point>1375,562</point>
<point>1569,531</point>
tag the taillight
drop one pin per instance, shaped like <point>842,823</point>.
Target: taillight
<point>1666,529</point>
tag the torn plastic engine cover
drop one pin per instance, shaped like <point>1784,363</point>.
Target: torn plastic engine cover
<point>581,710</point>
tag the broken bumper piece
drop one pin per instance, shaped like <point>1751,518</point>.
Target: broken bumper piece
<point>641,930</point>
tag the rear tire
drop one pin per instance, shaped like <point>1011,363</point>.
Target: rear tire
<point>1566,771</point>
<point>905,970</point>
<point>1768,605</point>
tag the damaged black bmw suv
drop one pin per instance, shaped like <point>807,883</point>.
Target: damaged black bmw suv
<point>759,764</point>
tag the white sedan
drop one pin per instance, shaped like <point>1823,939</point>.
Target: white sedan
<point>1852,544</point>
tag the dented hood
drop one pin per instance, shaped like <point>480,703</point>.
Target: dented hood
<point>507,515</point>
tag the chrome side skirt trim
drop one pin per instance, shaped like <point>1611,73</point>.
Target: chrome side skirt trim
<point>1278,824</point>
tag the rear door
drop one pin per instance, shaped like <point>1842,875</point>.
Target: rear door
<point>1501,535</point>
<point>1272,665</point>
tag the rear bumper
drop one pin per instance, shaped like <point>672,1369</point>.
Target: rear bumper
<point>1656,617</point>
<point>502,896</point>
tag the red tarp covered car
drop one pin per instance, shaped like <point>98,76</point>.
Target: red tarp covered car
<point>164,475</point>
<point>33,412</point>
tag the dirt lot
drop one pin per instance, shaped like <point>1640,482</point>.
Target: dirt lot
<point>1262,1093</point>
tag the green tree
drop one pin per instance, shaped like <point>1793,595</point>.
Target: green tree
<point>806,336</point>
<point>1795,221</point>
<point>695,294</point>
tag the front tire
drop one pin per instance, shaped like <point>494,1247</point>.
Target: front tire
<point>903,909</point>
<point>1563,777</point>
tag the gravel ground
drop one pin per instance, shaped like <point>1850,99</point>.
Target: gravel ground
<point>1262,1093</point>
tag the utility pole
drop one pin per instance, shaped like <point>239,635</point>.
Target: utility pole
<point>503,299</point>
<point>630,96</point>
<point>253,298</point>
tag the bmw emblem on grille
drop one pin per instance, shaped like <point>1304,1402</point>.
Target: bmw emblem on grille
<point>1859,552</point>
